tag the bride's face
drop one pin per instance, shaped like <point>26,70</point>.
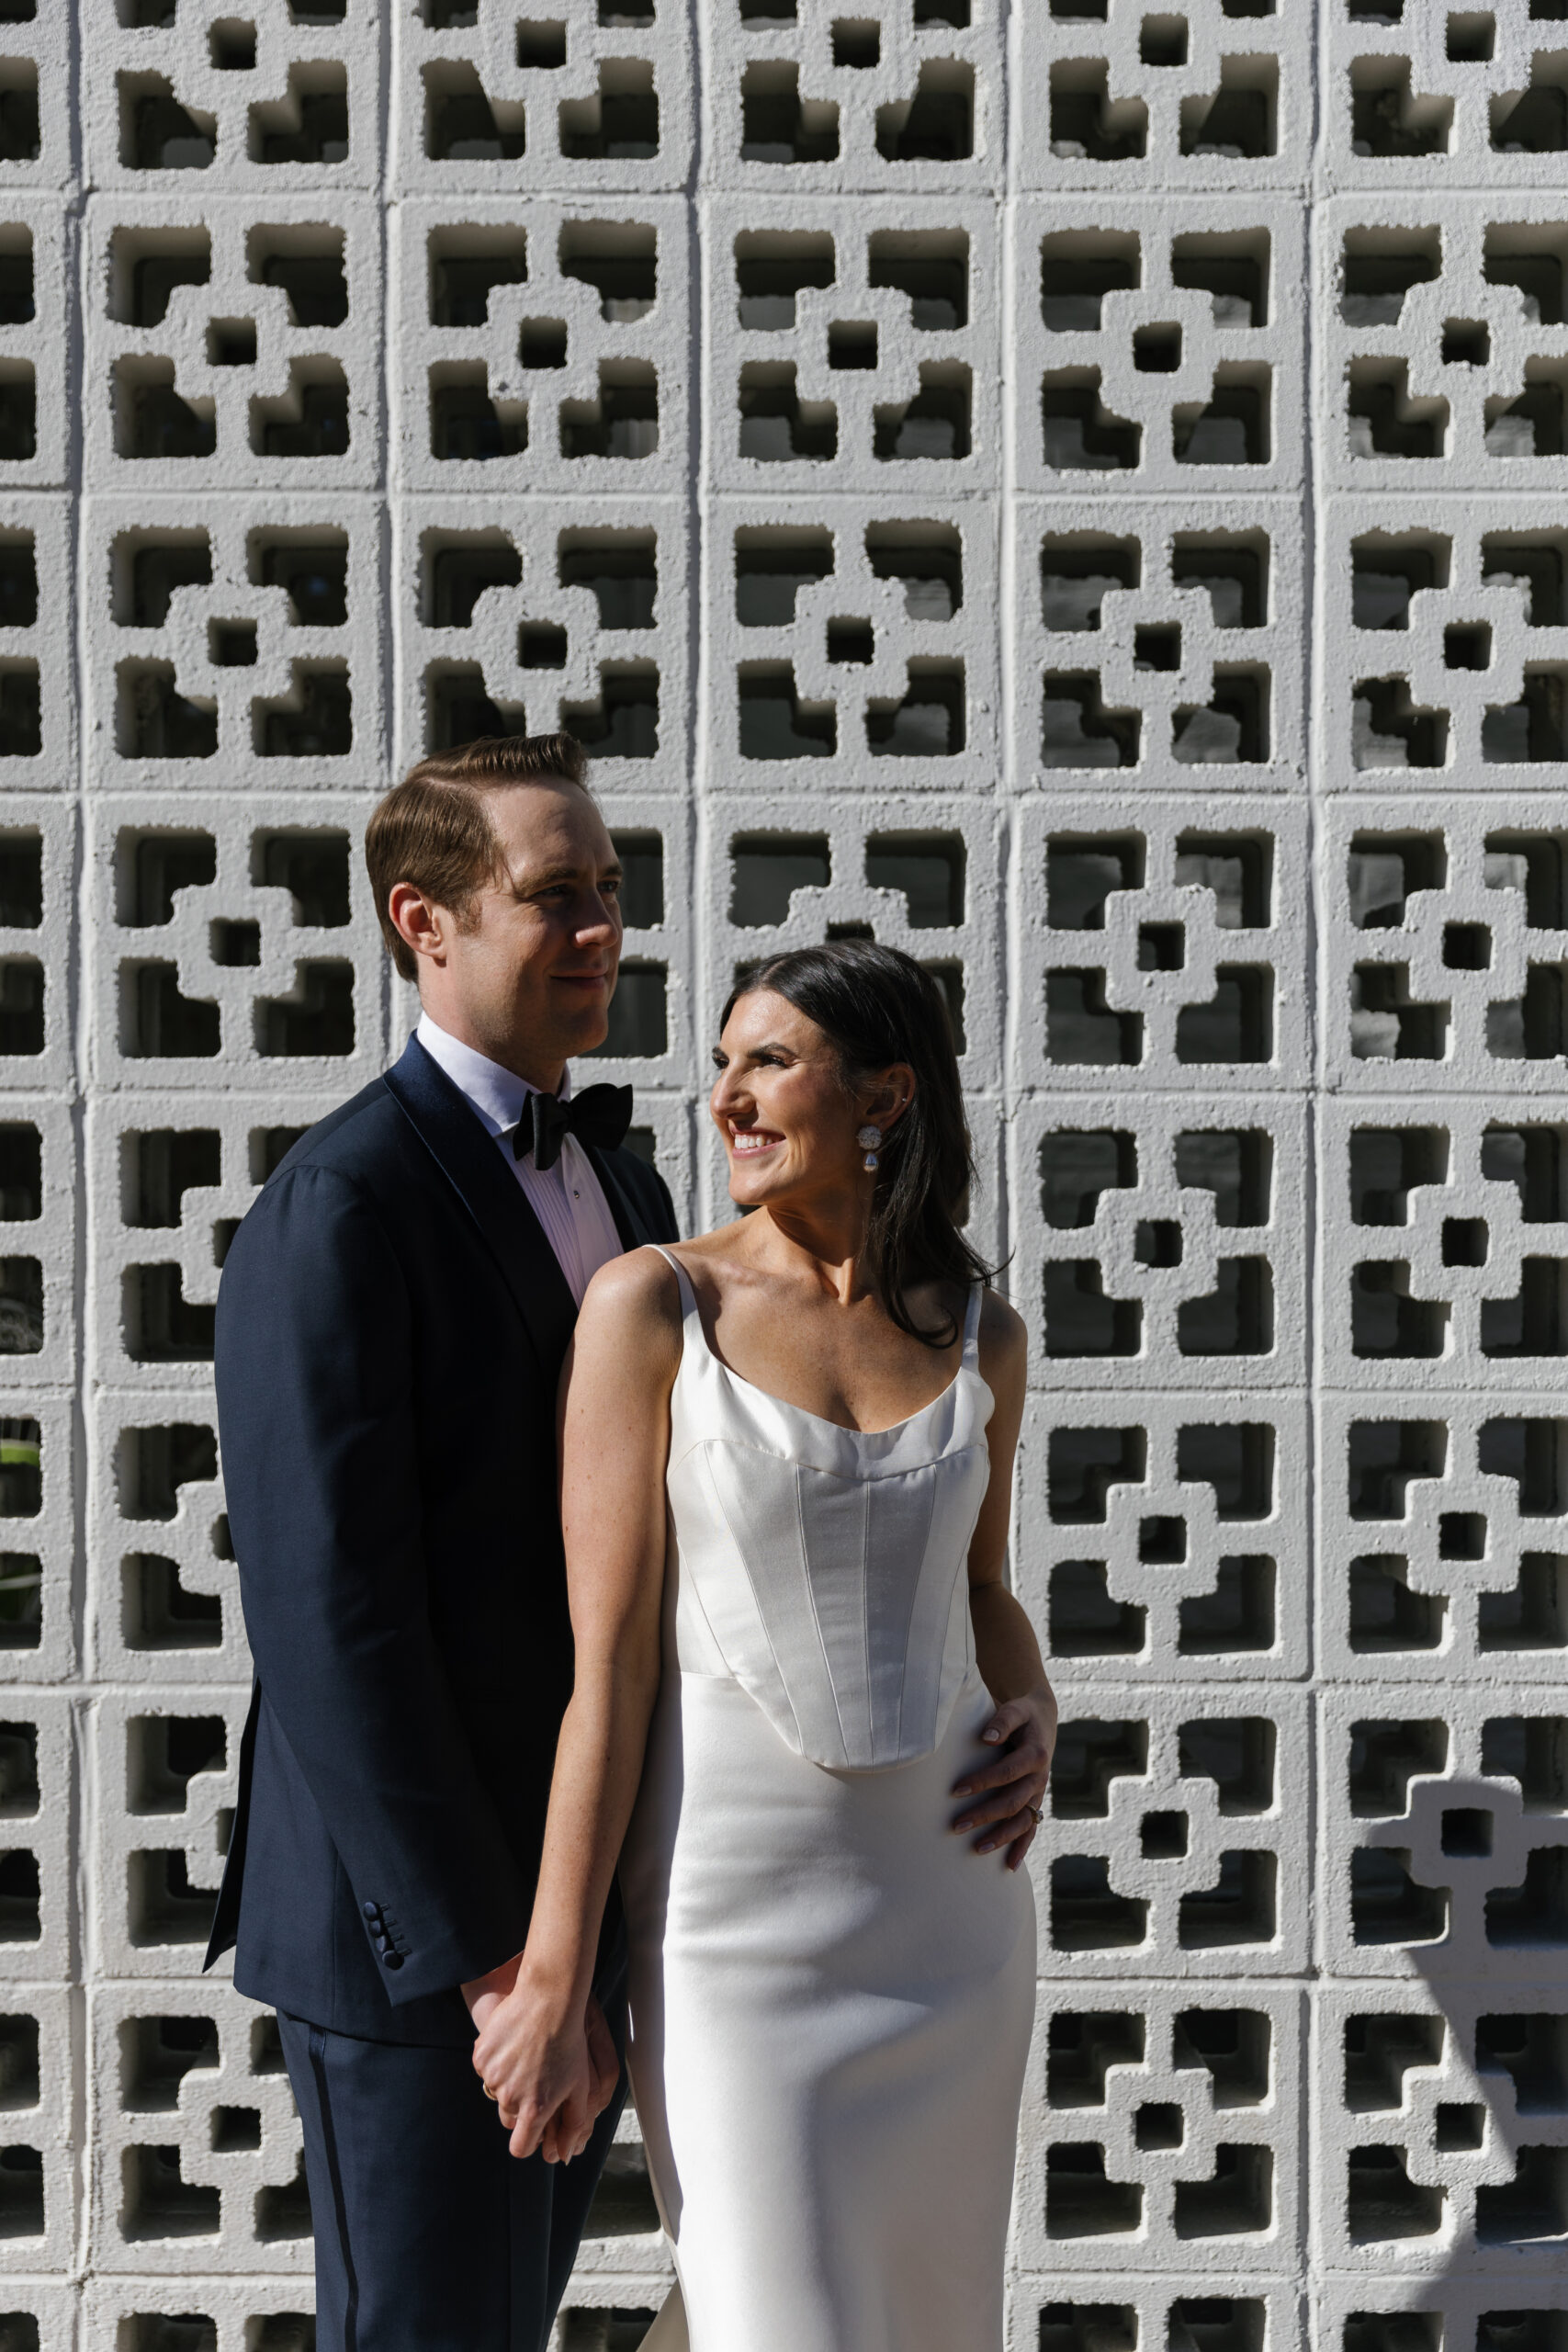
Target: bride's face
<point>779,1102</point>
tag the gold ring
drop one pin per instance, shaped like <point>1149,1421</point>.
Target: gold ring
<point>489,2094</point>
<point>1039,1813</point>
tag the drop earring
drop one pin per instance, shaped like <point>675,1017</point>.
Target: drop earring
<point>869,1139</point>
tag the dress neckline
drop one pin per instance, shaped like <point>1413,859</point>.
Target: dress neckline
<point>692,1313</point>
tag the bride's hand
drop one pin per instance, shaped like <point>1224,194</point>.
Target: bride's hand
<point>534,2061</point>
<point>1022,1732</point>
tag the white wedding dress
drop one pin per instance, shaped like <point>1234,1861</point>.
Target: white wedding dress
<point>831,1994</point>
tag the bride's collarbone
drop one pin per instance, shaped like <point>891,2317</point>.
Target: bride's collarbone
<point>865,1375</point>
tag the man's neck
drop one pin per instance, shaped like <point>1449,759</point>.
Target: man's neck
<point>506,1054</point>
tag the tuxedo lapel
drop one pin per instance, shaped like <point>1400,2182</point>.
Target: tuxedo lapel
<point>629,1223</point>
<point>468,1157</point>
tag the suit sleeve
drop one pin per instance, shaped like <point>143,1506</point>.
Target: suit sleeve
<point>314,1363</point>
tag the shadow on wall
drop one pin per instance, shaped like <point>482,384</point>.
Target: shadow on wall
<point>1451,2191</point>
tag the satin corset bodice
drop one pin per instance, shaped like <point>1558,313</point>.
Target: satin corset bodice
<point>825,1569</point>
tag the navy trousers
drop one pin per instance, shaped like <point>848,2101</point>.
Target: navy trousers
<point>430,2237</point>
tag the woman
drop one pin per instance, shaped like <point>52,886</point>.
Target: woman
<point>784,1446</point>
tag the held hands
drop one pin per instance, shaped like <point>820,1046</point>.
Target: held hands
<point>550,2067</point>
<point>1012,1786</point>
<point>484,1995</point>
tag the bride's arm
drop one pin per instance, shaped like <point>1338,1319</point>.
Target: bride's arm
<point>614,1431</point>
<point>1024,1728</point>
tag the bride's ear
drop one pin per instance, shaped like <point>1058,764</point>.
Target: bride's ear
<point>888,1095</point>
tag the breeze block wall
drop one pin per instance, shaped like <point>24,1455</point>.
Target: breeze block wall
<point>1076,490</point>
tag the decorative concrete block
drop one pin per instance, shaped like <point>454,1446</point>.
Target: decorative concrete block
<point>1443,347</point>
<point>40,1469</point>
<point>37,53</point>
<point>1175,1819</point>
<point>37,326</point>
<point>174,86</point>
<point>1444,938</point>
<point>1160,936</point>
<point>542,343</point>
<point>1439,1515</point>
<point>171,1761</point>
<point>196,2140</point>
<point>854,353</point>
<point>849,641</point>
<point>40,1929</point>
<point>1121,2309</point>
<point>1163,2130</point>
<point>1443,1235</point>
<point>232,344</point>
<point>549,612</point>
<point>487,100</point>
<point>246,940</point>
<point>1444,648</point>
<point>1164,352</point>
<point>898,101</point>
<point>1164,1537</point>
<point>1429,98</point>
<point>240,648</point>
<point>916,872</point>
<point>1159,1242</point>
<point>1445,1822</point>
<point>1442,2125</point>
<point>1150,641</point>
<point>1219,97</point>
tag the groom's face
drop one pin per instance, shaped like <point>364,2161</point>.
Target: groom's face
<point>530,973</point>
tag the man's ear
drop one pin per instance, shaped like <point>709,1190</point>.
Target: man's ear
<point>419,923</point>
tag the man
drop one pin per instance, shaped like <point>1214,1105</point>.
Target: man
<point>391,1325</point>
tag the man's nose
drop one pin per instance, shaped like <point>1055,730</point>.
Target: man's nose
<point>599,920</point>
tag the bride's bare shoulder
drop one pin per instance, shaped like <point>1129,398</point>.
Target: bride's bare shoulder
<point>638,1289</point>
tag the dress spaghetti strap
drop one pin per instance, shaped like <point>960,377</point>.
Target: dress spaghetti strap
<point>688,1295</point>
<point>970,1360</point>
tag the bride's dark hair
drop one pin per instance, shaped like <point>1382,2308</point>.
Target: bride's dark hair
<point>877,1005</point>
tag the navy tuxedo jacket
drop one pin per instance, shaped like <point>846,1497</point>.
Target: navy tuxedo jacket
<point>391,1325</point>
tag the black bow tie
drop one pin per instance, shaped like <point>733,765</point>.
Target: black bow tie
<point>599,1114</point>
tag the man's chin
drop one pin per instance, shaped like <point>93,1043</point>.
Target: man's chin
<point>589,1033</point>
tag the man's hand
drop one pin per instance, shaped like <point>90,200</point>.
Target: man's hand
<point>484,1995</point>
<point>551,2075</point>
<point>1013,1787</point>
<point>558,2146</point>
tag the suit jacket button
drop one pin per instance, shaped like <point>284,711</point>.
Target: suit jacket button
<point>370,1909</point>
<point>393,1959</point>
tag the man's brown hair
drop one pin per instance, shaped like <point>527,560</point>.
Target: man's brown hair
<point>433,829</point>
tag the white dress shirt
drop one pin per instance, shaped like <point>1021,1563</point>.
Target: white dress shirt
<point>568,1199</point>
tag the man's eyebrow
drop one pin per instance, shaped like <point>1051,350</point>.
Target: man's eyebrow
<point>541,879</point>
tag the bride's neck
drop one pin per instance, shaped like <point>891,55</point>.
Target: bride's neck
<point>830,1241</point>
